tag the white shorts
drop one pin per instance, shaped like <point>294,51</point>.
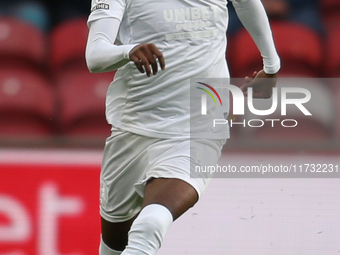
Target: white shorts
<point>130,160</point>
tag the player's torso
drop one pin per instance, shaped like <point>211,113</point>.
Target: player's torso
<point>160,21</point>
<point>192,37</point>
<point>191,34</point>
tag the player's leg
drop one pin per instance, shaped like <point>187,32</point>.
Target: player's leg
<point>114,236</point>
<point>165,199</point>
<point>169,189</point>
<point>122,167</point>
<point>175,194</point>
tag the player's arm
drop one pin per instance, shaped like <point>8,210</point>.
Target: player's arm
<point>102,55</point>
<point>254,18</point>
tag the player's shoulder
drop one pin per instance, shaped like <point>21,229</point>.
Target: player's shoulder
<point>107,9</point>
<point>106,4</point>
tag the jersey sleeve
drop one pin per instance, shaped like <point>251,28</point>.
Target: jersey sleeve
<point>101,54</point>
<point>107,9</point>
<point>254,18</point>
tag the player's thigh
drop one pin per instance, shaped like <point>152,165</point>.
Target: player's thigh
<point>124,164</point>
<point>172,181</point>
<point>175,194</point>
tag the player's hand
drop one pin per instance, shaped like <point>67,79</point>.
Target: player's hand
<point>261,83</point>
<point>145,57</point>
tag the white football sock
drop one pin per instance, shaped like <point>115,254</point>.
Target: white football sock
<point>105,250</point>
<point>148,230</point>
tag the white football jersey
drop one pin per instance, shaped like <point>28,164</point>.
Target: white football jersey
<point>191,34</point>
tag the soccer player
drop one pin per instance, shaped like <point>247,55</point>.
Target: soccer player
<point>145,179</point>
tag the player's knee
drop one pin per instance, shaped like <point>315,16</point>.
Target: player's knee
<point>150,227</point>
<point>154,219</point>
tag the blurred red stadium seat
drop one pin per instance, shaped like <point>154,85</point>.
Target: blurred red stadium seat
<point>333,52</point>
<point>21,43</point>
<point>329,5</point>
<point>82,101</point>
<point>67,44</point>
<point>330,13</point>
<point>299,47</point>
<point>27,104</point>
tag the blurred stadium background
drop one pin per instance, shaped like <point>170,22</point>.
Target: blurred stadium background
<point>53,128</point>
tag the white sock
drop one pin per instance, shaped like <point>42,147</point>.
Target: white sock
<point>148,230</point>
<point>105,250</point>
